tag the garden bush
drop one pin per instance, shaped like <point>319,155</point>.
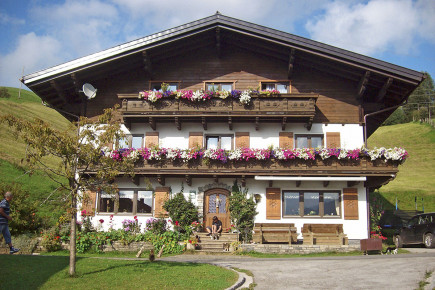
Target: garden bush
<point>51,239</point>
<point>183,212</point>
<point>156,226</point>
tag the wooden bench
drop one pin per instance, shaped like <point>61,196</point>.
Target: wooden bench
<point>324,234</point>
<point>275,233</point>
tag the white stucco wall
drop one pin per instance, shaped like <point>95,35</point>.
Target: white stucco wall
<point>355,229</point>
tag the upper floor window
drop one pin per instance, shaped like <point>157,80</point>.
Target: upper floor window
<point>219,87</point>
<point>282,87</point>
<point>309,141</point>
<point>164,86</point>
<point>130,141</point>
<point>219,142</point>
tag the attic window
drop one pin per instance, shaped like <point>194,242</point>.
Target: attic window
<point>219,87</point>
<point>283,87</point>
<point>158,86</point>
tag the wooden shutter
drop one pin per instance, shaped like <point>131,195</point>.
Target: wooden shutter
<point>242,139</point>
<point>151,139</point>
<point>196,139</point>
<point>273,203</point>
<point>286,140</point>
<point>350,201</point>
<point>333,140</point>
<point>160,196</point>
<point>88,202</point>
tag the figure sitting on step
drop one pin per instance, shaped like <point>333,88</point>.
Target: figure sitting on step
<point>215,230</point>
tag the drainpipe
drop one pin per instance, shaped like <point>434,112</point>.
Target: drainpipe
<point>378,112</point>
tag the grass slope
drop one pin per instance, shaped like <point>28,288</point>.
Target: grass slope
<point>416,175</point>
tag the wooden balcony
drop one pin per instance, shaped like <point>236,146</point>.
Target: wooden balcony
<point>282,108</point>
<point>378,172</point>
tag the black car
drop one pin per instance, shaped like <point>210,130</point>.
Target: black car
<point>419,230</point>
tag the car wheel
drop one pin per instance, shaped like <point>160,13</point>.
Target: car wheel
<point>429,241</point>
<point>398,242</point>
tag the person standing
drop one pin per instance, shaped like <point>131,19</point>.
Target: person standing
<point>5,217</point>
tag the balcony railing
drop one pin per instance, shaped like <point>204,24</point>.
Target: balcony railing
<point>289,105</point>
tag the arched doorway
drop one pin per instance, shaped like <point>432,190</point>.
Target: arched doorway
<point>216,203</point>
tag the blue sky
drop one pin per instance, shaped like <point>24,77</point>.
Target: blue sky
<point>37,34</point>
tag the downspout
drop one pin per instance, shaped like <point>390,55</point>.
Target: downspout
<point>378,112</point>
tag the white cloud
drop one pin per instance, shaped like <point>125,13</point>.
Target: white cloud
<point>33,53</point>
<point>6,19</point>
<point>376,26</point>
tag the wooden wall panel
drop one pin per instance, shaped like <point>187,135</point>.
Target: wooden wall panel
<point>151,139</point>
<point>333,140</point>
<point>273,203</point>
<point>196,139</point>
<point>161,194</point>
<point>350,202</point>
<point>242,139</point>
<point>88,202</point>
<point>286,140</point>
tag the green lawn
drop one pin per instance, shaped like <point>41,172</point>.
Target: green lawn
<point>43,272</point>
<point>416,175</point>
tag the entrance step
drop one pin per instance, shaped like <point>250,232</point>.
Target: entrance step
<point>206,244</point>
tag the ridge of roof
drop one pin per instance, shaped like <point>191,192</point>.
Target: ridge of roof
<point>240,26</point>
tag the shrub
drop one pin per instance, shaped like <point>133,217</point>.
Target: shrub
<point>26,243</point>
<point>156,226</point>
<point>51,240</point>
<point>4,93</point>
<point>181,211</point>
<point>243,211</point>
<point>23,212</point>
<point>131,226</point>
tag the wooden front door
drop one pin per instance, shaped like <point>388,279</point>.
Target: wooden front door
<point>216,203</point>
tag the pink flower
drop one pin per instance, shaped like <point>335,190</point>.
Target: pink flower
<point>83,212</point>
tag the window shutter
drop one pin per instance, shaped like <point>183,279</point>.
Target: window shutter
<point>273,203</point>
<point>333,140</point>
<point>286,140</point>
<point>242,139</point>
<point>196,139</point>
<point>161,194</point>
<point>88,202</point>
<point>350,201</point>
<point>151,139</point>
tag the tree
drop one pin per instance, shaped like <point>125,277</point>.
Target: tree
<point>422,96</point>
<point>83,163</point>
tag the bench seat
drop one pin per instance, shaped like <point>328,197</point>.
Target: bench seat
<point>275,233</point>
<point>324,234</point>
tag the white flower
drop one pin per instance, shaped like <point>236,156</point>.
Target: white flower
<point>343,154</point>
<point>324,153</point>
<point>172,153</point>
<point>245,98</point>
<point>235,155</point>
<point>152,97</point>
<point>224,94</point>
<point>197,96</point>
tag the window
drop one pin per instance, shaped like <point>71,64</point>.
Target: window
<point>309,141</point>
<point>157,86</point>
<point>130,141</point>
<point>219,142</point>
<point>311,203</point>
<point>219,87</point>
<point>282,87</point>
<point>131,201</point>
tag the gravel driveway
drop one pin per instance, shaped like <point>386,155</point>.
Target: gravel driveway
<point>354,272</point>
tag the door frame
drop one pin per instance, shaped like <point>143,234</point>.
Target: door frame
<point>212,191</point>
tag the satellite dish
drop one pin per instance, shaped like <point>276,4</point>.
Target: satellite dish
<point>89,91</point>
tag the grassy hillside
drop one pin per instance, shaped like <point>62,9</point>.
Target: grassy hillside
<point>416,176</point>
<point>12,150</point>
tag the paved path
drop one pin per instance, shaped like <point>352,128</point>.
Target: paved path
<point>354,272</point>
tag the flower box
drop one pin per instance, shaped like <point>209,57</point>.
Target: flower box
<point>371,245</point>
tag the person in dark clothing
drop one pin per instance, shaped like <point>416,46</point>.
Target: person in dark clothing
<point>5,217</point>
<point>215,229</point>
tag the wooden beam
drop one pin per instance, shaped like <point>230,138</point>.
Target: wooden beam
<point>161,179</point>
<point>284,122</point>
<point>363,84</point>
<point>230,123</point>
<point>352,183</point>
<point>291,63</point>
<point>216,178</point>
<point>298,183</point>
<point>218,42</point>
<point>384,89</point>
<point>178,123</point>
<point>152,123</point>
<point>204,123</point>
<point>310,123</point>
<point>257,123</point>
<point>270,183</point>
<point>189,179</point>
<point>325,183</point>
<point>76,82</point>
<point>136,180</point>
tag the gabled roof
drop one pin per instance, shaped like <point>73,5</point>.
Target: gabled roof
<point>239,26</point>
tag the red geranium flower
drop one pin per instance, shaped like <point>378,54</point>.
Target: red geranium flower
<point>176,223</point>
<point>101,221</point>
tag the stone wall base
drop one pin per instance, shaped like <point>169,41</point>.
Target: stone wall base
<point>297,249</point>
<point>119,246</point>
